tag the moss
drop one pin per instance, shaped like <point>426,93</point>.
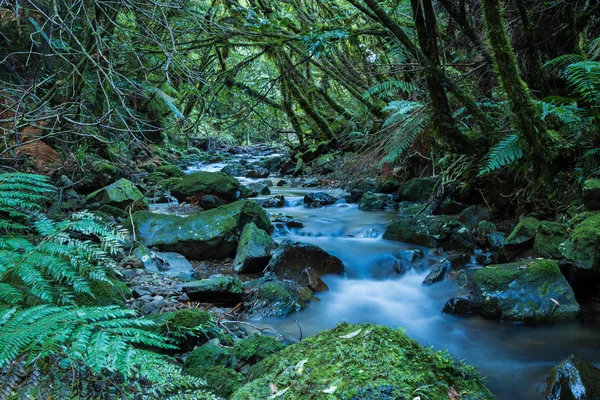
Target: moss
<point>418,189</point>
<point>228,284</point>
<point>523,232</point>
<point>583,246</point>
<point>390,186</point>
<point>500,276</point>
<point>208,355</point>
<point>120,194</point>
<point>105,294</point>
<point>220,380</point>
<point>549,238</point>
<point>257,347</point>
<point>371,202</point>
<point>188,318</point>
<point>111,210</point>
<point>156,177</point>
<point>169,183</point>
<point>170,170</point>
<point>359,362</point>
<point>591,184</point>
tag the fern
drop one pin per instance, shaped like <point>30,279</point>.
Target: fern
<point>21,195</point>
<point>502,154</point>
<point>407,120</point>
<point>584,78</point>
<point>389,89</point>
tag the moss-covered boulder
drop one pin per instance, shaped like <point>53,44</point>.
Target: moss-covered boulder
<point>220,290</point>
<point>591,194</point>
<point>254,250</point>
<point>209,354</point>
<point>235,169</point>
<point>220,380</point>
<point>548,239</point>
<point>208,234</point>
<point>529,291</point>
<point>271,296</point>
<point>371,202</point>
<point>100,173</point>
<point>211,183</point>
<point>390,186</point>
<point>582,248</point>
<point>291,258</point>
<point>121,194</point>
<point>257,188</point>
<point>156,177</point>
<point>521,238</point>
<point>431,231</point>
<point>170,170</point>
<point>362,362</point>
<point>573,379</point>
<point>417,190</point>
<point>256,347</point>
<point>187,328</point>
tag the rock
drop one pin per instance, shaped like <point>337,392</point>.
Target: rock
<point>277,201</point>
<point>282,182</point>
<point>573,379</point>
<point>271,163</point>
<point>451,207</point>
<point>371,202</point>
<point>174,265</point>
<point>460,306</point>
<point>290,222</point>
<point>291,258</point>
<point>548,239</point>
<point>524,291</point>
<point>271,296</point>
<point>207,234</point>
<point>431,231</point>
<point>418,190</point>
<point>258,173</point>
<point>235,169</point>
<point>139,291</point>
<point>170,170</point>
<point>348,361</point>
<point>318,199</point>
<point>591,194</point>
<point>439,272</point>
<point>311,182</point>
<point>148,258</point>
<point>254,250</point>
<point>156,177</point>
<point>220,290</point>
<point>121,194</point>
<point>521,238</point>
<point>183,326</point>
<point>207,183</point>
<point>132,262</point>
<point>582,248</point>
<point>260,188</point>
<point>101,173</point>
<point>257,347</point>
<point>495,240</point>
<point>471,216</point>
<point>209,355</point>
<point>311,279</point>
<point>390,186</point>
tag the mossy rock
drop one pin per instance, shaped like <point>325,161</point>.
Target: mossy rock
<point>257,347</point>
<point>591,194</point>
<point>202,183</point>
<point>156,177</point>
<point>270,296</point>
<point>431,231</point>
<point>521,238</point>
<point>254,250</point>
<point>199,236</point>
<point>292,258</point>
<point>121,194</point>
<point>363,361</point>
<point>113,211</point>
<point>187,328</point>
<point>219,290</point>
<point>574,379</point>
<point>371,202</point>
<point>582,248</point>
<point>101,173</point>
<point>209,355</point>
<point>170,170</point>
<point>219,379</point>
<point>114,293</point>
<point>169,183</point>
<point>548,239</point>
<point>148,167</point>
<point>524,291</point>
<point>390,186</point>
<point>418,190</point>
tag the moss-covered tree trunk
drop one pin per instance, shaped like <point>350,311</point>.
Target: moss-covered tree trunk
<point>526,116</point>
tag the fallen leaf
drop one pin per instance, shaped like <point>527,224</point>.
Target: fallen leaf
<point>351,335</point>
<point>417,398</point>
<point>281,393</point>
<point>555,302</point>
<point>453,394</point>
<point>300,367</point>
<point>273,388</point>
<point>330,390</point>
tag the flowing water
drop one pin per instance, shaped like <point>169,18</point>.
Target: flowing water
<point>515,358</point>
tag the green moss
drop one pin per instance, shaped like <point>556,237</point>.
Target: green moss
<point>360,361</point>
<point>500,276</point>
<point>215,183</point>
<point>170,170</point>
<point>591,184</point>
<point>220,380</point>
<point>169,183</point>
<point>228,284</point>
<point>523,232</point>
<point>208,355</point>
<point>549,238</point>
<point>257,347</point>
<point>188,318</point>
<point>105,168</point>
<point>390,186</point>
<point>418,189</point>
<point>156,177</point>
<point>583,246</point>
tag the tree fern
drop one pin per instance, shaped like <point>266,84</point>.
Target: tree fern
<point>502,154</point>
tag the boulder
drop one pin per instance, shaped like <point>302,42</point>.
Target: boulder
<point>450,207</point>
<point>318,199</point>
<point>260,188</point>
<point>254,250</point>
<point>121,194</point>
<point>431,231</point>
<point>288,221</point>
<point>258,173</point>
<point>207,234</point>
<point>226,290</point>
<point>591,194</point>
<point>573,379</point>
<point>271,296</point>
<point>521,238</point>
<point>291,258</point>
<point>582,248</point>
<point>312,280</point>
<point>171,171</point>
<point>235,169</point>
<point>460,306</point>
<point>207,183</point>
<point>371,202</point>
<point>548,239</point>
<point>174,265</point>
<point>390,186</point>
<point>209,354</point>
<point>100,173</point>
<point>471,216</point>
<point>418,190</point>
<point>271,163</point>
<point>353,361</point>
<point>528,291</point>
<point>439,272</point>
<point>277,201</point>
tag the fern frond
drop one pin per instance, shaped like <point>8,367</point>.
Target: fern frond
<point>502,154</point>
<point>165,99</point>
<point>390,88</point>
<point>408,119</point>
<point>584,78</point>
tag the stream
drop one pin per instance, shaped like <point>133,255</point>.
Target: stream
<point>515,358</point>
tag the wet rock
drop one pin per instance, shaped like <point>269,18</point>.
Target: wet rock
<point>548,239</point>
<point>290,222</point>
<point>311,182</point>
<point>235,169</point>
<point>219,290</point>
<point>170,171</point>
<point>282,183</point>
<point>273,164</point>
<point>207,234</point>
<point>254,250</point>
<point>451,207</point>
<point>271,296</point>
<point>132,262</point>
<point>460,306</point>
<point>277,201</point>
<point>418,190</point>
<point>390,186</point>
<point>371,202</point>
<point>174,265</point>
<point>495,240</point>
<point>524,291</point>
<point>312,280</point>
<point>318,199</point>
<point>439,272</point>
<point>260,188</point>
<point>591,194</point>
<point>258,173</point>
<point>411,255</point>
<point>472,215</point>
<point>207,183</point>
<point>121,194</point>
<point>140,291</point>
<point>521,238</point>
<point>573,379</point>
<point>582,248</point>
<point>291,258</point>
<point>431,231</point>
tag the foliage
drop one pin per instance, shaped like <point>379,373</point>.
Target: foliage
<point>502,154</point>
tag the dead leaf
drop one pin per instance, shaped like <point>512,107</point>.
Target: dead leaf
<point>273,388</point>
<point>453,394</point>
<point>330,390</point>
<point>280,393</point>
<point>555,302</point>
<point>351,335</point>
<point>300,367</point>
